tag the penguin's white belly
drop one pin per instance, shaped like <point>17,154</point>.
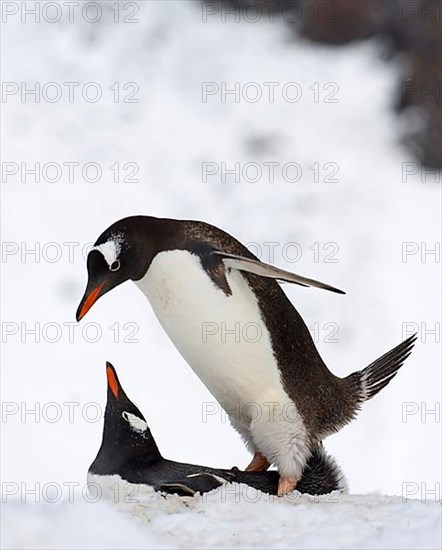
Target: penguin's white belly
<point>223,338</point>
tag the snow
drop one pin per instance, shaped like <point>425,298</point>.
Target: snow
<point>363,220</point>
<point>239,517</point>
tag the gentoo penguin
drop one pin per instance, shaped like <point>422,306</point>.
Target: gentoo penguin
<point>128,450</point>
<point>231,321</point>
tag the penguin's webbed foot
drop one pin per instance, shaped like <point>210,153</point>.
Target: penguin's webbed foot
<point>259,464</point>
<point>286,485</point>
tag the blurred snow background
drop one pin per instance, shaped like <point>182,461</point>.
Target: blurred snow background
<point>369,213</point>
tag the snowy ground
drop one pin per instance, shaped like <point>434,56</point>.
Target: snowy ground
<point>367,216</point>
<point>236,519</point>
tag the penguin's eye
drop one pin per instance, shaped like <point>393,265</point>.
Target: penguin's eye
<point>115,266</point>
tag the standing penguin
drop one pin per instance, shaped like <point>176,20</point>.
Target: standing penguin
<point>197,277</point>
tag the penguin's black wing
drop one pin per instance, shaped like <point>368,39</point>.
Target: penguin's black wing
<point>192,484</point>
<point>212,263</point>
<point>262,269</point>
<point>321,476</point>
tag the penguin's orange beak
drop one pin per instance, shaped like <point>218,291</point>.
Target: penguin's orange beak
<point>88,300</point>
<point>112,381</point>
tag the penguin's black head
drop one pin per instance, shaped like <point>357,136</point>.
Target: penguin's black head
<point>124,251</point>
<point>118,405</point>
<point>127,438</point>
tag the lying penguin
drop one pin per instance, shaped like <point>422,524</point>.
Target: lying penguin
<point>128,450</point>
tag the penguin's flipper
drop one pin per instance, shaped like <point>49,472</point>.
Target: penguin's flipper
<point>176,488</point>
<point>192,484</point>
<point>266,270</point>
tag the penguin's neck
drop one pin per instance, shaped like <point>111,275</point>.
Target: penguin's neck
<point>122,445</point>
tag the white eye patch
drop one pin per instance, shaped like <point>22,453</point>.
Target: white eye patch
<point>111,249</point>
<point>137,424</point>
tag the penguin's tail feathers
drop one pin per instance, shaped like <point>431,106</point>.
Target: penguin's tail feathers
<point>369,381</point>
<point>322,474</point>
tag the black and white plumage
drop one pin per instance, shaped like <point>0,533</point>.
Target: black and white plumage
<point>129,451</point>
<point>196,275</point>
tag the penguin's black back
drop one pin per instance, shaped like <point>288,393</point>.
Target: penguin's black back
<point>321,476</point>
<point>322,399</point>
